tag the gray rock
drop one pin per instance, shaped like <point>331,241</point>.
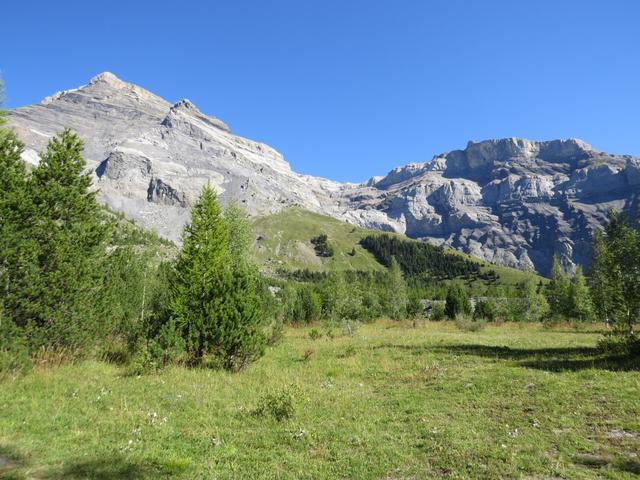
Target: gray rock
<point>512,201</point>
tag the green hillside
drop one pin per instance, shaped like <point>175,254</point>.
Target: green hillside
<point>283,242</point>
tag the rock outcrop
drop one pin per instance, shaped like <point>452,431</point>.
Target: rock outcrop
<point>512,201</point>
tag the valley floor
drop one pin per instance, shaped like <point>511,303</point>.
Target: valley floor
<point>389,402</point>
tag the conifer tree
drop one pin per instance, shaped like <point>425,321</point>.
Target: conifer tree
<point>605,293</point>
<point>580,300</point>
<point>13,242</point>
<point>69,234</point>
<point>559,290</point>
<point>397,289</point>
<point>239,235</point>
<point>457,301</point>
<point>533,304</point>
<point>615,273</point>
<point>54,274</point>
<point>216,305</point>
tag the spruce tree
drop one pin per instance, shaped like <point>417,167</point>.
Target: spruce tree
<point>54,268</point>
<point>14,244</point>
<point>216,306</point>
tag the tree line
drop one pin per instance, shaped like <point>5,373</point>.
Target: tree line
<point>418,258</point>
<point>72,285</point>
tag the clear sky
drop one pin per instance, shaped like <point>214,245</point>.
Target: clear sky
<point>348,89</point>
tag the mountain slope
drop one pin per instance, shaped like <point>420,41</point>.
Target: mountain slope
<point>151,158</point>
<point>513,202</point>
<point>283,242</point>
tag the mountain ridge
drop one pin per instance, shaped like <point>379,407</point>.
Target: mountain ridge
<point>510,201</point>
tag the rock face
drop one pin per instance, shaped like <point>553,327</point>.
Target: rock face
<point>151,158</point>
<point>513,202</point>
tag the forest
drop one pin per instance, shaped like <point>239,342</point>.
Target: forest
<point>75,283</point>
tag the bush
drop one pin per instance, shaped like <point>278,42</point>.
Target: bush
<point>486,310</point>
<point>321,246</point>
<point>457,302</point>
<point>14,354</point>
<point>437,312</point>
<point>278,404</point>
<point>620,345</point>
<point>468,324</point>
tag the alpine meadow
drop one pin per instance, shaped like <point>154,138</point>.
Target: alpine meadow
<point>179,301</point>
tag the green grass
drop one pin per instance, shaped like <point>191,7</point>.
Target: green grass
<point>390,402</point>
<point>285,243</point>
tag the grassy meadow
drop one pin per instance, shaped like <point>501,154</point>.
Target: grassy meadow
<point>388,402</point>
<point>282,241</point>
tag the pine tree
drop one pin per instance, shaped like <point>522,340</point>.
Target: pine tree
<point>457,301</point>
<point>605,292</point>
<point>216,305</point>
<point>54,269</point>
<point>580,301</point>
<point>558,290</point>
<point>397,289</point>
<point>615,273</point>
<point>533,304</point>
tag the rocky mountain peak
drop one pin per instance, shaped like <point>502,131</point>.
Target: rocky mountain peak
<point>185,104</point>
<point>512,201</point>
<point>109,79</point>
<point>186,108</point>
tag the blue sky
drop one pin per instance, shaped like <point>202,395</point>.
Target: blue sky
<point>348,89</point>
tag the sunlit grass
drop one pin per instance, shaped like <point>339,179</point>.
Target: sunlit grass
<point>389,402</point>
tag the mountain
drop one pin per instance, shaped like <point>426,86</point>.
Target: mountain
<point>511,201</point>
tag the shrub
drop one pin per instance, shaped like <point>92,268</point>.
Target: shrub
<point>468,324</point>
<point>457,301</point>
<point>485,309</point>
<point>278,404</point>
<point>437,312</point>
<point>615,343</point>
<point>315,334</point>
<point>321,246</point>
<point>14,354</point>
<point>274,330</point>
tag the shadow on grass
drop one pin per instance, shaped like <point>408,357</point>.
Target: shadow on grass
<point>11,462</point>
<point>104,468</point>
<point>551,359</point>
